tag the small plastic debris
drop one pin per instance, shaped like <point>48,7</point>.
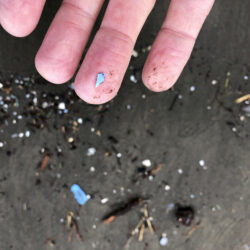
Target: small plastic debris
<point>164,240</point>
<point>135,53</point>
<point>170,207</point>
<point>246,247</point>
<point>80,120</point>
<point>104,200</point>
<point>61,106</point>
<point>133,79</point>
<point>91,151</point>
<point>146,163</point>
<point>192,89</point>
<point>1,144</point>
<point>79,194</point>
<point>92,169</point>
<point>118,155</point>
<point>202,163</point>
<point>167,187</point>
<point>180,171</point>
<point>100,79</point>
<point>192,196</point>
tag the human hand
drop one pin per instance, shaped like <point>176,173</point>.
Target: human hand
<point>110,52</point>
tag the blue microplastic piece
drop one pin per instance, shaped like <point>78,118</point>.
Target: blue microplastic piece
<point>100,79</point>
<point>79,194</point>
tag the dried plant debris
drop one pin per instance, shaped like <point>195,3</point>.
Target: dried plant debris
<point>72,226</point>
<point>123,209</point>
<point>144,223</point>
<point>184,214</point>
<point>146,172</point>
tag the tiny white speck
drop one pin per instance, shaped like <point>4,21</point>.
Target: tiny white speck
<point>61,106</point>
<point>133,79</point>
<point>164,240</point>
<point>209,107</point>
<point>21,135</point>
<point>19,117</point>
<point>167,187</point>
<point>27,133</point>
<point>202,163</point>
<point>128,107</point>
<point>150,177</point>
<point>119,155</point>
<point>80,120</point>
<point>245,77</point>
<point>104,200</point>
<point>92,130</point>
<point>58,176</point>
<point>214,82</point>
<point>146,163</point>
<point>135,53</point>
<point>180,96</point>
<point>92,169</point>
<point>114,191</point>
<point>246,247</point>
<point>234,129</point>
<point>94,226</point>
<point>143,96</point>
<point>180,171</point>
<point>62,220</point>
<point>1,144</point>
<point>1,85</point>
<point>192,89</point>
<point>91,151</point>
<point>192,196</point>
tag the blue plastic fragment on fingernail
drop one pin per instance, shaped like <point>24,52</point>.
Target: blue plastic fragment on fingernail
<point>79,194</point>
<point>100,79</point>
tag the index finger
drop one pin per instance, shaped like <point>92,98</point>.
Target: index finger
<point>20,17</point>
<point>174,44</point>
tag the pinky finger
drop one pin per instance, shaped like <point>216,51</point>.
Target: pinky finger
<point>174,44</point>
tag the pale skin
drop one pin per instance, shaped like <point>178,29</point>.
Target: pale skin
<point>110,52</point>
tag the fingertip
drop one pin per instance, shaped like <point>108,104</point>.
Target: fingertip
<point>20,18</point>
<point>156,79</point>
<point>17,30</point>
<point>56,72</point>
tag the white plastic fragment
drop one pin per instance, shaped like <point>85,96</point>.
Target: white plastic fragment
<point>91,151</point>
<point>202,163</point>
<point>192,89</point>
<point>104,200</point>
<point>133,79</point>
<point>180,171</point>
<point>135,53</point>
<point>164,240</point>
<point>61,106</point>
<point>146,163</point>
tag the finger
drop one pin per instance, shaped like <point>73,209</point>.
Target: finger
<point>20,17</point>
<point>62,48</point>
<point>111,50</point>
<point>174,44</point>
